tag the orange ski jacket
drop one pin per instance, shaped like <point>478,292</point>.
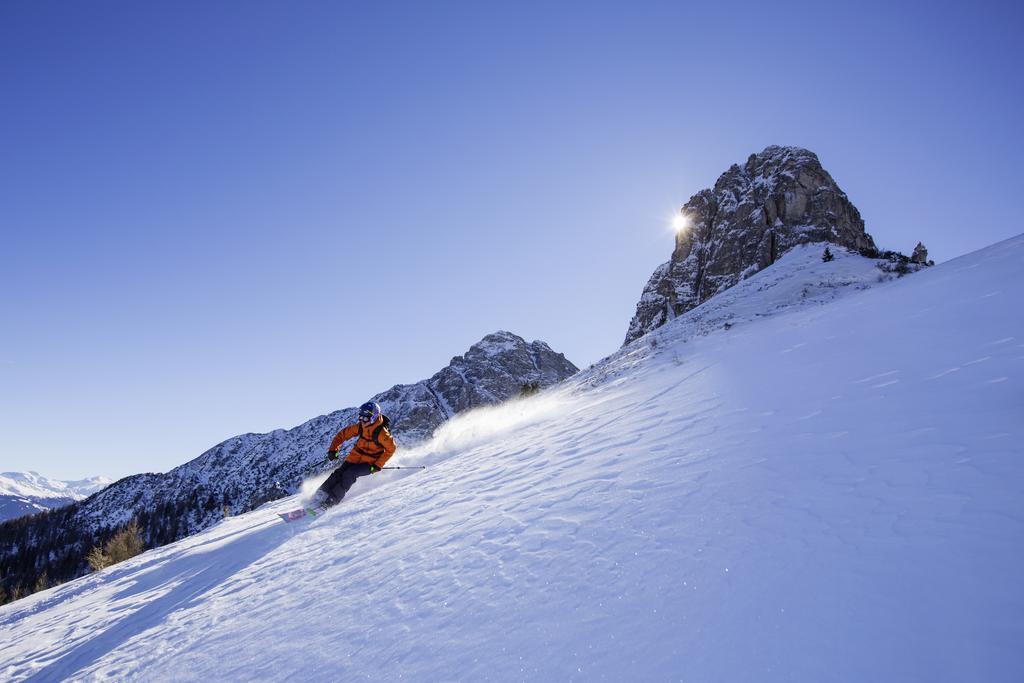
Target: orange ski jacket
<point>366,450</point>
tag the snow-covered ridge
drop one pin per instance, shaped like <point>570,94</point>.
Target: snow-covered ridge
<point>26,493</point>
<point>800,279</point>
<point>827,493</point>
<point>35,485</point>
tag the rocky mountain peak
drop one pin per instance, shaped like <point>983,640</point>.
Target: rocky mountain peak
<point>496,343</point>
<point>755,212</point>
<point>493,370</point>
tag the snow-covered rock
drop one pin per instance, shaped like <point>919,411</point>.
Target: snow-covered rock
<point>755,213</point>
<point>831,489</point>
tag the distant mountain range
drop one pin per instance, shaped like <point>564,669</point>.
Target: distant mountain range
<point>25,493</point>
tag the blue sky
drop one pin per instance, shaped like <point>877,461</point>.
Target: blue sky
<point>229,217</point>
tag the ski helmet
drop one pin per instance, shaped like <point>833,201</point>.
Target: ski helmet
<point>369,411</point>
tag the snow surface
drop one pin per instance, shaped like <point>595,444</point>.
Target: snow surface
<point>830,489</point>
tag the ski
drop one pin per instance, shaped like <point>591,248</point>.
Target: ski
<point>301,513</point>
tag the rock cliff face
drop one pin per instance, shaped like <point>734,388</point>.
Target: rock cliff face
<point>778,199</point>
<point>246,471</point>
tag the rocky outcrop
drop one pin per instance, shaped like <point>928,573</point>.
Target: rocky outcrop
<point>920,255</point>
<point>245,471</point>
<point>778,199</point>
<point>493,370</point>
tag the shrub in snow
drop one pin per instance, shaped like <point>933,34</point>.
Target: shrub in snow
<point>899,264</point>
<point>529,389</point>
<point>124,544</point>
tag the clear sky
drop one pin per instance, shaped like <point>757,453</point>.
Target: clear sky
<point>228,217</point>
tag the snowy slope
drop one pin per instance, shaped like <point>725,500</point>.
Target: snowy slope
<point>832,492</point>
<point>23,493</point>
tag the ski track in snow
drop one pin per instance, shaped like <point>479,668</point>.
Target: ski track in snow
<point>848,509</point>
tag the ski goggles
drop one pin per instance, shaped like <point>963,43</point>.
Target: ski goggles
<point>365,415</point>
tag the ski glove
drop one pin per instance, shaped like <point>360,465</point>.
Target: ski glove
<point>374,468</point>
<point>332,455</point>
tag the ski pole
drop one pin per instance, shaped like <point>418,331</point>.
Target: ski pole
<point>407,467</point>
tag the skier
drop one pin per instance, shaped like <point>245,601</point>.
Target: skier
<point>372,449</point>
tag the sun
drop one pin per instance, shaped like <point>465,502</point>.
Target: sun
<point>681,222</point>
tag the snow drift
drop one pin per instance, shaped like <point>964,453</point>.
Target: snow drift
<point>816,478</point>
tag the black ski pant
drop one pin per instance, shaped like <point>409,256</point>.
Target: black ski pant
<point>341,480</point>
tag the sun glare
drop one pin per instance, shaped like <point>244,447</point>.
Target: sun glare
<point>680,223</point>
